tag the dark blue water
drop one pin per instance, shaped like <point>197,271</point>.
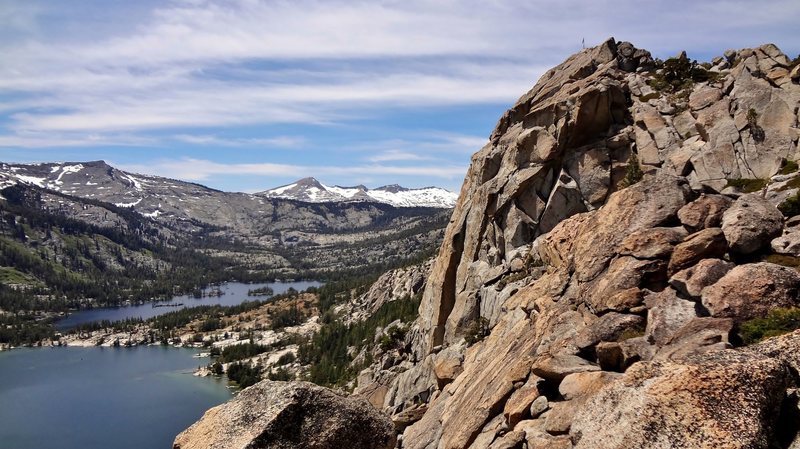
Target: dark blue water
<point>86,398</point>
<point>235,293</point>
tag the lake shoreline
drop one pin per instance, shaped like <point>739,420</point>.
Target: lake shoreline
<point>138,396</point>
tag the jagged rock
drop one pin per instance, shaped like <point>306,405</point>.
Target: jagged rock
<point>691,281</point>
<point>484,386</point>
<point>667,313</point>
<point>623,274</point>
<point>664,405</point>
<point>650,203</point>
<point>708,243</point>
<point>751,223</point>
<point>564,201</point>
<point>704,97</point>
<point>447,365</point>
<point>795,74</point>
<point>701,334</point>
<point>751,290</point>
<point>609,327</point>
<point>560,366</point>
<point>489,433</point>
<point>538,406</point>
<point>581,385</point>
<point>408,416</point>
<point>541,440</point>
<point>654,243</point>
<point>520,401</point>
<point>789,243</point>
<point>375,393</point>
<point>704,212</point>
<point>287,415</point>
<point>511,440</point>
<point>575,389</point>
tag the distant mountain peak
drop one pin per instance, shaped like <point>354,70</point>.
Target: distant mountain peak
<point>308,182</point>
<point>312,191</point>
<point>394,188</point>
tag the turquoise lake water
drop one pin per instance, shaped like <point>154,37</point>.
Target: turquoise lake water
<point>103,398</point>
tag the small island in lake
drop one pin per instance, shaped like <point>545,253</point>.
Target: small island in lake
<point>261,291</point>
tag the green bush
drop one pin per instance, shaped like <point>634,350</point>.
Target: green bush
<point>747,185</point>
<point>477,331</point>
<point>756,131</point>
<point>789,167</point>
<point>790,206</point>
<point>633,173</point>
<point>280,374</point>
<point>392,338</point>
<point>778,322</point>
<point>243,374</point>
<point>784,260</point>
<point>243,351</point>
<point>679,74</point>
<point>286,359</point>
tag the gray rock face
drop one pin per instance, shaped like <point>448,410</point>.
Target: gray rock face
<point>603,254</point>
<point>751,223</point>
<point>276,415</point>
<point>708,243</point>
<point>664,405</point>
<point>751,290</point>
<point>691,281</point>
<point>704,212</point>
<point>789,243</point>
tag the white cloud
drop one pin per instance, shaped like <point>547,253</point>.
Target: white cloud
<point>202,169</point>
<point>397,155</point>
<point>192,63</point>
<point>212,140</point>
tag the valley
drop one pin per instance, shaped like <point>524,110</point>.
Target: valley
<point>87,235</point>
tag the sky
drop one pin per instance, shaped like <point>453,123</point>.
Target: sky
<point>245,95</point>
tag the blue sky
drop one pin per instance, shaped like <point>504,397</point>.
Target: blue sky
<point>248,94</point>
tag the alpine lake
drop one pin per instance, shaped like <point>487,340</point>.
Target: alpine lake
<point>139,397</point>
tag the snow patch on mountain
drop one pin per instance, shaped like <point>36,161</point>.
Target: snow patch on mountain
<point>312,191</point>
<point>128,204</point>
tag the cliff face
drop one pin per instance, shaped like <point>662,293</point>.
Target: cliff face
<point>566,277</point>
<point>602,258</point>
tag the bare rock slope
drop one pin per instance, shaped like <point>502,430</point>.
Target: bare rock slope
<point>576,306</point>
<point>607,244</point>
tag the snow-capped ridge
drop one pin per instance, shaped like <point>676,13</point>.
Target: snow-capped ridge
<point>312,191</point>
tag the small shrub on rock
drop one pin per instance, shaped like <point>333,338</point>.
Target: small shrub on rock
<point>747,185</point>
<point>789,167</point>
<point>633,173</point>
<point>778,322</point>
<point>791,206</point>
<point>392,338</point>
<point>477,331</point>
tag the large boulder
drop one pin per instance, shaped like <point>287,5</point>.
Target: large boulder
<point>278,415</point>
<point>751,223</point>
<point>788,244</point>
<point>704,212</point>
<point>721,400</point>
<point>752,290</point>
<point>691,281</point>
<point>706,244</point>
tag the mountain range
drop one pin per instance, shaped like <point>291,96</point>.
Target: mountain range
<point>155,196</point>
<point>312,191</point>
<point>286,235</point>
